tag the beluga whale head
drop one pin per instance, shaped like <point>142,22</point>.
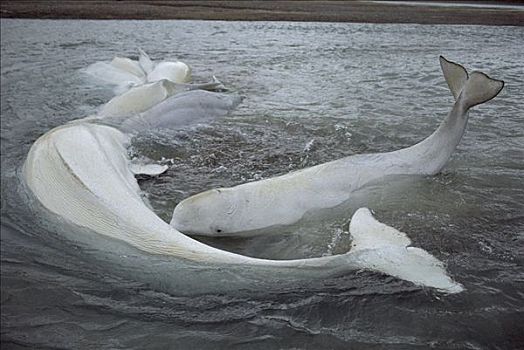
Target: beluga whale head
<point>210,213</point>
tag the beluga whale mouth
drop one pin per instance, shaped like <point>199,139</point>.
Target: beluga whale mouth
<point>82,173</point>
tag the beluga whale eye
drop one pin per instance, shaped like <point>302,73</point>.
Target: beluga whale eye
<point>215,229</point>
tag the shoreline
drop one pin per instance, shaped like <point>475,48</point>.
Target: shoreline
<point>443,12</point>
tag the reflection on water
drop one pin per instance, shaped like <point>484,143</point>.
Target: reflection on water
<point>314,92</point>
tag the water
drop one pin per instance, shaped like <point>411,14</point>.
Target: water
<point>314,92</point>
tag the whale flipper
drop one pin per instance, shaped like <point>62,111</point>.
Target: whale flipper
<point>215,85</point>
<point>385,249</point>
<point>455,75</point>
<point>147,169</point>
<point>367,232</point>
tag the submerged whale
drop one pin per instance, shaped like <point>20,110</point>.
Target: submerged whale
<point>284,200</point>
<point>82,173</point>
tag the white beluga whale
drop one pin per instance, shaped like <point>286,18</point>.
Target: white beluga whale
<point>81,172</point>
<point>140,98</point>
<point>143,84</point>
<point>125,73</point>
<point>175,71</point>
<point>284,200</point>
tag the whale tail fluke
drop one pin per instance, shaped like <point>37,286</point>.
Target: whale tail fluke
<point>145,61</point>
<point>384,249</point>
<point>455,75</point>
<point>480,88</point>
<point>472,89</point>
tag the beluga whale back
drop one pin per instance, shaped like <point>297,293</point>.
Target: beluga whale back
<point>285,199</point>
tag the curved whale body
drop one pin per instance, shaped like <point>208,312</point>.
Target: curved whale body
<point>189,107</point>
<point>286,199</point>
<point>82,173</point>
<point>140,98</point>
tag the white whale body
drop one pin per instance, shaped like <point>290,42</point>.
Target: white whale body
<point>194,106</point>
<point>286,199</point>
<point>141,98</point>
<point>144,84</point>
<point>176,72</point>
<point>136,100</point>
<point>82,173</point>
<point>125,73</point>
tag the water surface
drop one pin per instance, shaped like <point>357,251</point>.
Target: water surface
<point>314,92</point>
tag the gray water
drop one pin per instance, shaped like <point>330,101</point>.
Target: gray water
<point>314,92</point>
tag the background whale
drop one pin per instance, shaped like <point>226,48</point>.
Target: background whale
<point>286,199</point>
<point>124,72</point>
<point>140,98</point>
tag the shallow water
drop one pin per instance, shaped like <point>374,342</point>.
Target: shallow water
<point>314,92</point>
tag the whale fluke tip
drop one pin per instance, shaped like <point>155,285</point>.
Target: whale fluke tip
<point>145,61</point>
<point>385,249</point>
<point>455,75</point>
<point>480,88</point>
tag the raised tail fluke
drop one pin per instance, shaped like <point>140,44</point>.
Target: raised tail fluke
<point>455,75</point>
<point>145,61</point>
<point>479,88</point>
<point>472,89</point>
<point>382,248</point>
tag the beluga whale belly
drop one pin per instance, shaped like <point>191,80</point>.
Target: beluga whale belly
<point>284,200</point>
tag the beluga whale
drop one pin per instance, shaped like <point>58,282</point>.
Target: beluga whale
<point>284,200</point>
<point>125,73</point>
<point>143,84</point>
<point>81,173</point>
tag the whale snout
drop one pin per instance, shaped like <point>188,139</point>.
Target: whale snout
<point>184,217</point>
<point>201,214</point>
